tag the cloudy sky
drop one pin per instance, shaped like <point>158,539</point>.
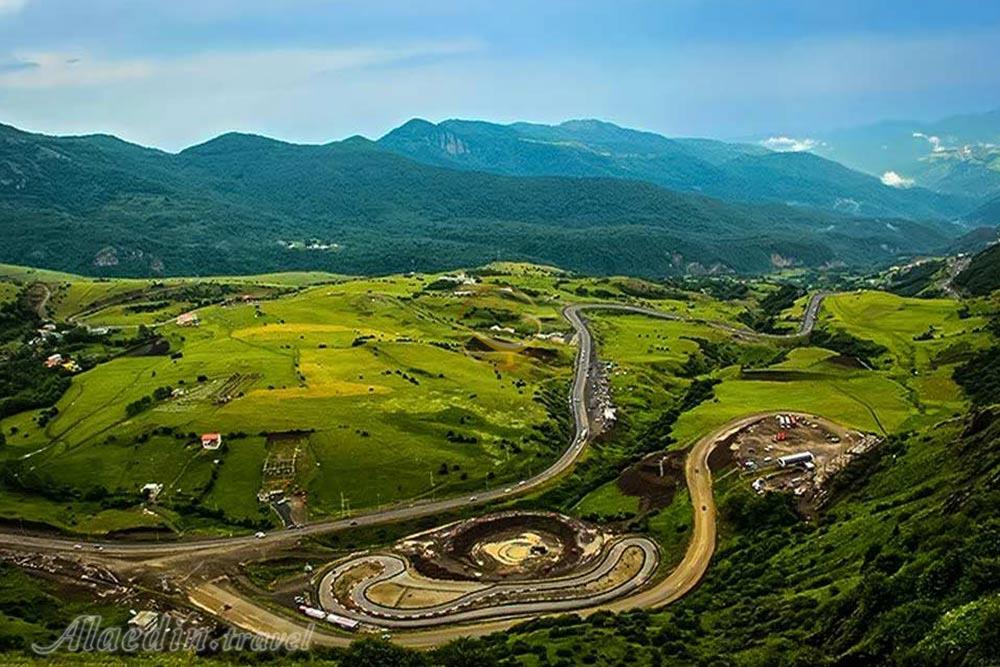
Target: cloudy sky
<point>170,73</point>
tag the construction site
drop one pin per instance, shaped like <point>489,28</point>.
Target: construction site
<point>796,453</point>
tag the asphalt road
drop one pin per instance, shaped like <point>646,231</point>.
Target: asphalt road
<point>459,611</point>
<point>249,615</point>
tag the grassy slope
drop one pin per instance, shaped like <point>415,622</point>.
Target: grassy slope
<point>367,418</point>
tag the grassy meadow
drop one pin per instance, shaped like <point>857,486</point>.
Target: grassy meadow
<point>909,387</point>
<point>390,392</point>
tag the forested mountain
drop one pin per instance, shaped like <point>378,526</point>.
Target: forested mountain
<point>243,204</point>
<point>734,172</point>
<point>988,214</point>
<point>982,276</point>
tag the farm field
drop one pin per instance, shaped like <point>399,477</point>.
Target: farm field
<point>925,338</point>
<point>654,362</point>
<point>373,379</point>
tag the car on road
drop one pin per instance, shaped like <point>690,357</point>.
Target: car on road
<point>508,490</point>
<point>260,535</point>
<point>473,499</point>
<point>354,523</point>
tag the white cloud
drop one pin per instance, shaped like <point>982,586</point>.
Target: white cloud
<point>12,6</point>
<point>895,180</point>
<point>934,141</point>
<point>263,69</point>
<point>56,70</point>
<point>784,144</point>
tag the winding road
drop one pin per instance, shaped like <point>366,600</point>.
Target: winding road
<point>474,606</point>
<point>244,612</point>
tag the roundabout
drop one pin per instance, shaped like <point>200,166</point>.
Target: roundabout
<point>494,567</point>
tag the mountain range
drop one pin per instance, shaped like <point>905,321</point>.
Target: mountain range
<point>583,195</point>
<point>733,172</point>
<point>958,154</point>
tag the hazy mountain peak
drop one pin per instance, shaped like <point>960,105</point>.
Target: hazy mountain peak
<point>233,142</point>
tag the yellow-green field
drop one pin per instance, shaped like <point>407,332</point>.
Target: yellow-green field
<point>383,387</point>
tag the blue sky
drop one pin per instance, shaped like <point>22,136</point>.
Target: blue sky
<point>171,73</point>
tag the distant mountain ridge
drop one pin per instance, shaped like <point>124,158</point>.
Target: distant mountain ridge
<point>957,155</point>
<point>242,203</point>
<point>732,172</point>
<point>987,214</point>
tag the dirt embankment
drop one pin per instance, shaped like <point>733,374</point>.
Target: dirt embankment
<point>654,480</point>
<point>451,556</point>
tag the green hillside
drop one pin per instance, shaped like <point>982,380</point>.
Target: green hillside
<point>983,273</point>
<point>733,172</point>
<point>246,204</point>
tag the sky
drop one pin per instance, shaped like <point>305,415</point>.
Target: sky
<point>172,73</point>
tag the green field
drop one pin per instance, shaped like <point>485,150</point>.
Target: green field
<point>607,501</point>
<point>910,386</point>
<point>379,379</point>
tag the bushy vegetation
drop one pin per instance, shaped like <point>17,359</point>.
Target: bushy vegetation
<point>26,384</point>
<point>763,317</point>
<point>842,342</point>
<point>980,376</point>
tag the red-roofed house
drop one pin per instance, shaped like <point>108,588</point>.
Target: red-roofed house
<point>211,441</point>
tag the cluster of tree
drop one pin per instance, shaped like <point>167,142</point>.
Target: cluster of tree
<point>865,351</point>
<point>146,402</point>
<point>17,318</point>
<point>643,289</point>
<point>25,382</point>
<point>147,307</point>
<point>723,288</point>
<point>916,279</point>
<point>763,318</point>
<point>980,376</point>
<point>452,436</point>
<point>712,355</point>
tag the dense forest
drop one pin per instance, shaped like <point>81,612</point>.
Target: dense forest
<point>983,273</point>
<point>242,204</point>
